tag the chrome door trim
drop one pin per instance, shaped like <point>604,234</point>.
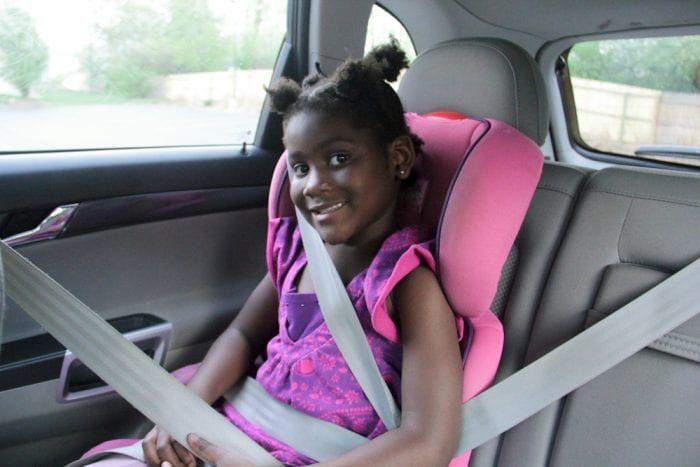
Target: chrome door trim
<point>48,229</point>
<point>153,338</point>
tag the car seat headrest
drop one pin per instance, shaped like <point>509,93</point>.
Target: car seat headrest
<point>474,182</point>
<point>487,78</point>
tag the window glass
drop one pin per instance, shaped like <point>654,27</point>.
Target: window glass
<point>639,97</point>
<point>88,74</point>
<point>381,27</point>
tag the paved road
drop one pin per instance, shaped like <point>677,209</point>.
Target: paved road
<point>40,127</point>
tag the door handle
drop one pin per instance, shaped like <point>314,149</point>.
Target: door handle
<point>48,229</point>
<point>78,382</point>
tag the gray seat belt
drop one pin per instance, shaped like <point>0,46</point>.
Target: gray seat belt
<point>572,364</point>
<point>147,386</point>
<point>318,439</point>
<point>569,366</point>
<point>341,318</point>
<point>582,358</point>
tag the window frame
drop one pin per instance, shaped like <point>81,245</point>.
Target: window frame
<point>290,58</point>
<point>577,143</point>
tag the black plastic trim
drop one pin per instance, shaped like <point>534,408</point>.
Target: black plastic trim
<point>39,358</point>
<point>137,209</point>
<point>45,180</point>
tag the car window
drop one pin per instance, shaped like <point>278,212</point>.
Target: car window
<point>89,74</point>
<point>382,26</point>
<point>639,97</point>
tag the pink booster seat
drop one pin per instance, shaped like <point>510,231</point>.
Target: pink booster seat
<point>475,181</point>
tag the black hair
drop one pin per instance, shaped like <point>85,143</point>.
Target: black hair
<point>359,91</point>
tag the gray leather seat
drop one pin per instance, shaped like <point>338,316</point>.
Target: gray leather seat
<point>630,229</point>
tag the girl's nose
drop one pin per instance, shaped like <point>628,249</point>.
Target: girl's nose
<point>316,182</point>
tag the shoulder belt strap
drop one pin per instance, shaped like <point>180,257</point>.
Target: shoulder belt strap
<point>147,386</point>
<point>342,321</point>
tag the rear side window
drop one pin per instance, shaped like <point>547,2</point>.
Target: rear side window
<point>639,97</point>
<point>381,28</point>
<point>92,74</point>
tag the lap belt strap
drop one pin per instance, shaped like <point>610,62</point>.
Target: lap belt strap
<point>313,437</point>
<point>582,358</point>
<point>147,386</point>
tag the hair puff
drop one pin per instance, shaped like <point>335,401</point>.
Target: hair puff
<point>387,60</point>
<point>283,94</point>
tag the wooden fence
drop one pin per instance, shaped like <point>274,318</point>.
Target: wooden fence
<point>241,90</point>
<point>619,118</point>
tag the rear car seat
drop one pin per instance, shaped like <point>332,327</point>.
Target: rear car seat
<point>631,229</point>
<point>591,242</point>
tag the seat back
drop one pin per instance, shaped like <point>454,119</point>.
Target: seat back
<point>630,229</point>
<point>486,78</point>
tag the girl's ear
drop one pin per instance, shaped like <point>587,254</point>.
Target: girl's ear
<point>402,156</point>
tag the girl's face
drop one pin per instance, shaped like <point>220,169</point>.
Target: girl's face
<point>342,180</point>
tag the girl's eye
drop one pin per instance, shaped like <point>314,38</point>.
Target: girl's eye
<point>339,158</point>
<point>300,169</point>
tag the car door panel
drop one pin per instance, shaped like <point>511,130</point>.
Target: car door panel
<point>179,236</point>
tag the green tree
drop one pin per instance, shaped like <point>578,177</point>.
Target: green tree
<point>192,41</point>
<point>141,43</point>
<point>23,55</point>
<point>124,59</point>
<point>259,23</point>
<point>667,64</point>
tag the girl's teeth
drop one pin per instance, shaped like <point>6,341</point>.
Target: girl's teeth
<point>331,208</point>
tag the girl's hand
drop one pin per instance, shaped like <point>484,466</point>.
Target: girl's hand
<point>215,455</point>
<point>159,447</point>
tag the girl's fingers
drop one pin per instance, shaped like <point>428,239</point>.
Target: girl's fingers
<point>160,448</point>
<point>203,448</point>
<point>149,448</point>
<point>185,456</point>
<point>214,454</point>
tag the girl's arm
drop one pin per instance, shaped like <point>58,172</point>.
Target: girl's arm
<point>233,352</point>
<point>431,382</point>
<point>228,359</point>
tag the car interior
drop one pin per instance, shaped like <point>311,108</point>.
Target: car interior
<point>167,242</point>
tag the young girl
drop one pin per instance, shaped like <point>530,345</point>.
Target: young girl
<point>349,152</point>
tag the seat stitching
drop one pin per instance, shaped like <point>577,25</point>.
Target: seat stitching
<point>557,188</point>
<point>665,199</point>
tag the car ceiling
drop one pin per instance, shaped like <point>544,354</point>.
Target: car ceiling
<point>534,23</point>
<point>554,19</point>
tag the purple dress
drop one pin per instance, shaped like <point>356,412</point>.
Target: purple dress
<point>304,367</point>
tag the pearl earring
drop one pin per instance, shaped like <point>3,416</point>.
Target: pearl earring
<point>402,172</point>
